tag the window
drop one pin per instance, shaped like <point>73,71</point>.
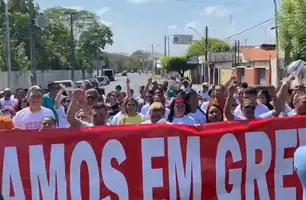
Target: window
<point>262,76</point>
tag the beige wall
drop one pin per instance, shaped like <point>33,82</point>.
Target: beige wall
<point>225,71</point>
<point>225,75</point>
<point>21,79</point>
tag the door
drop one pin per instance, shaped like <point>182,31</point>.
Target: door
<point>262,76</point>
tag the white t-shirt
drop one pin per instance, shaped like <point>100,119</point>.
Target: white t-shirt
<point>198,116</point>
<point>9,102</point>
<point>184,120</point>
<point>259,109</point>
<point>147,116</point>
<point>266,115</point>
<point>25,119</point>
<point>116,118</point>
<point>87,124</point>
<point>204,95</point>
<point>287,111</point>
<point>145,108</point>
<point>62,118</point>
<point>162,121</point>
<point>204,106</point>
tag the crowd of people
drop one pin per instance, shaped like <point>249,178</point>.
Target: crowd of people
<point>170,102</point>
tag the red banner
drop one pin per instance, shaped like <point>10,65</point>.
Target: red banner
<point>230,160</point>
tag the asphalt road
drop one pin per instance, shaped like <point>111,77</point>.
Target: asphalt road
<point>136,81</point>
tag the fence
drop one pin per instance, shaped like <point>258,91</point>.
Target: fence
<point>22,79</point>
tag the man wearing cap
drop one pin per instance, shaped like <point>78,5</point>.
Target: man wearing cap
<point>203,93</point>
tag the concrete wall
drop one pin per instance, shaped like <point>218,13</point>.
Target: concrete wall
<point>22,79</point>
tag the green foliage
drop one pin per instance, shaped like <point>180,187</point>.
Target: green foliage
<point>214,45</point>
<point>140,59</point>
<point>53,45</point>
<point>292,24</point>
<point>177,63</point>
<point>94,39</point>
<point>137,60</point>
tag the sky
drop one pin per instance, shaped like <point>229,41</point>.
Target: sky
<point>139,24</point>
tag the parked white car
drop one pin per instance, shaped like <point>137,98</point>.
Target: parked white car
<point>69,85</point>
<point>103,80</point>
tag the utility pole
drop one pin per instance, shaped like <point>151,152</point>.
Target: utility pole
<point>72,14</point>
<point>168,38</point>
<point>32,44</point>
<point>276,43</point>
<point>153,59</point>
<point>206,70</point>
<point>8,46</point>
<point>238,52</point>
<point>98,60</point>
<point>165,46</point>
<point>234,62</point>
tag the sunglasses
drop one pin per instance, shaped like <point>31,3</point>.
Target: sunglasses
<point>36,96</point>
<point>249,107</point>
<point>91,98</point>
<point>156,116</point>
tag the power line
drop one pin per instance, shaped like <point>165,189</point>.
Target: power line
<point>248,29</point>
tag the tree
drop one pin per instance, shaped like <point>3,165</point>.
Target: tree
<point>177,63</point>
<point>285,25</point>
<point>140,59</point>
<point>214,45</point>
<point>53,43</point>
<point>293,29</point>
<point>95,38</point>
<point>123,61</point>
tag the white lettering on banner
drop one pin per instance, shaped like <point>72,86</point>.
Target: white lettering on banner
<point>113,179</point>
<point>228,143</point>
<point>150,148</point>
<point>83,152</point>
<point>257,171</point>
<point>192,174</point>
<point>284,166</point>
<point>10,172</point>
<point>57,175</point>
<point>302,136</point>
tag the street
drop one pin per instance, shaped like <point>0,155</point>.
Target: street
<point>136,81</point>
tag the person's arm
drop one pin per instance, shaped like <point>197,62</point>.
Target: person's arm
<point>277,104</point>
<point>58,98</point>
<point>16,121</point>
<point>72,109</point>
<point>229,102</point>
<point>146,89</point>
<point>230,81</point>
<point>283,91</point>
<point>128,88</point>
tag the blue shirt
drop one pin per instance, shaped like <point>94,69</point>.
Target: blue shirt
<point>300,165</point>
<point>48,102</point>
